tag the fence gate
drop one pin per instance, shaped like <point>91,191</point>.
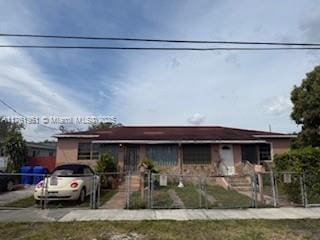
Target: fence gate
<point>193,191</point>
<point>289,189</point>
<point>311,185</point>
<point>112,190</point>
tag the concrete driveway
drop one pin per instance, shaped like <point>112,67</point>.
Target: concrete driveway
<point>20,193</point>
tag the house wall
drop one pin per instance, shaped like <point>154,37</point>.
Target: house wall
<point>280,145</point>
<point>67,152</point>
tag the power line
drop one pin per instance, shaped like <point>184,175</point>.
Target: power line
<point>21,115</point>
<point>157,40</point>
<point>162,48</point>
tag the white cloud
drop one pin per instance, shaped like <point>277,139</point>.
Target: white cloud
<point>196,119</point>
<point>32,92</point>
<point>279,105</point>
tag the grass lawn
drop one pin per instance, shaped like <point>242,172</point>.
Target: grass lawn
<point>22,203</point>
<point>190,196</point>
<point>227,198</point>
<point>30,202</point>
<point>224,198</point>
<point>136,202</point>
<point>169,230</point>
<point>161,198</point>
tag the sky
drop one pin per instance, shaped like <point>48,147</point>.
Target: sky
<point>234,89</point>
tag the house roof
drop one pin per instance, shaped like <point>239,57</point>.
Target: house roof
<point>174,133</point>
<point>48,146</point>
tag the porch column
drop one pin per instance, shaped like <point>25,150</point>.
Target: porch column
<point>180,164</point>
<point>143,153</point>
<point>120,166</point>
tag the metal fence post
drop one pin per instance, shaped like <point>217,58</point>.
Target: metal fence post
<point>42,193</point>
<point>303,188</point>
<point>205,193</point>
<point>254,190</point>
<point>200,191</point>
<point>45,205</point>
<point>91,195</point>
<point>99,192</point>
<point>128,189</point>
<point>272,179</point>
<point>276,189</point>
<point>149,189</point>
<point>152,189</point>
<point>93,198</point>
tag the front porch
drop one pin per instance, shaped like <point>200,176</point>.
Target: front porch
<point>186,158</point>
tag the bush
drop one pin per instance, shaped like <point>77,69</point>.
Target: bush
<point>299,160</point>
<point>149,165</point>
<point>304,160</point>
<point>106,164</point>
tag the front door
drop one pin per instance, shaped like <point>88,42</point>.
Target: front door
<point>226,157</point>
<point>131,158</point>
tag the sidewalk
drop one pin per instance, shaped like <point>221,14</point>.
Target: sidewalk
<point>65,215</point>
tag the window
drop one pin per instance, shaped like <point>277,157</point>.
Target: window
<point>95,151</point>
<point>196,154</point>
<point>87,171</point>
<point>111,149</point>
<point>264,152</point>
<point>249,153</point>
<point>84,151</point>
<point>163,155</point>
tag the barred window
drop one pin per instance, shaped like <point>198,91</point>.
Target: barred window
<point>163,155</point>
<point>196,153</point>
<point>265,152</point>
<point>84,151</point>
<point>95,151</point>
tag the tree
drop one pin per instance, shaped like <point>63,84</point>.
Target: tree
<point>306,109</point>
<point>104,125</point>
<point>13,143</point>
<point>16,150</point>
<point>7,127</point>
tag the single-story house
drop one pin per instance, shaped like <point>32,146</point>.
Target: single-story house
<point>174,149</point>
<point>41,149</point>
<point>43,154</point>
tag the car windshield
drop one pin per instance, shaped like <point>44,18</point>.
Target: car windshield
<point>63,172</point>
<point>68,170</point>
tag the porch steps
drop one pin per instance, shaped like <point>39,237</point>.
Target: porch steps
<point>239,183</point>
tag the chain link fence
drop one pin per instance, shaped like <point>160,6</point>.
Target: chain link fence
<point>41,191</point>
<point>115,190</point>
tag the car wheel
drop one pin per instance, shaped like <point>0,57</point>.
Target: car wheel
<point>10,185</point>
<point>82,196</point>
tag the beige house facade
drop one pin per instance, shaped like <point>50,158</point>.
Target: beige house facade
<point>205,150</point>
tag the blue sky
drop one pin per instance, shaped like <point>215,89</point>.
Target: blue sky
<point>237,89</point>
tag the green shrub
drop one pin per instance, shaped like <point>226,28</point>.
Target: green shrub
<point>303,160</point>
<point>149,165</point>
<point>299,160</point>
<point>106,164</point>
